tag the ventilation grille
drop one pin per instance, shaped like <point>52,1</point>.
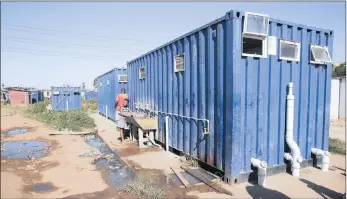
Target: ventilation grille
<point>179,63</point>
<point>122,78</point>
<point>142,73</point>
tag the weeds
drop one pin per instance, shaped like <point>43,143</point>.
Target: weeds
<point>337,146</point>
<point>144,187</point>
<point>71,120</point>
<point>90,105</point>
<point>190,161</point>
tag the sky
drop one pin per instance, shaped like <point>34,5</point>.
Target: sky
<point>47,44</point>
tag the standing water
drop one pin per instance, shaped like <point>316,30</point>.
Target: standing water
<point>118,174</point>
<point>23,149</point>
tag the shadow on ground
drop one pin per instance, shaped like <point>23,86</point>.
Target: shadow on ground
<point>257,191</point>
<point>323,191</point>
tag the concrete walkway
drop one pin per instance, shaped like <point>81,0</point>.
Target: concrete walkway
<point>313,183</point>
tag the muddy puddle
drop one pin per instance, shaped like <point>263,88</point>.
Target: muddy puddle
<point>118,174</point>
<point>42,187</point>
<point>17,131</point>
<point>14,150</point>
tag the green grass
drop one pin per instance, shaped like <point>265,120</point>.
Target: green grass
<point>143,187</point>
<point>62,120</point>
<point>337,146</point>
<point>90,105</point>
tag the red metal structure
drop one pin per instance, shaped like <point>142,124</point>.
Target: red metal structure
<point>18,97</point>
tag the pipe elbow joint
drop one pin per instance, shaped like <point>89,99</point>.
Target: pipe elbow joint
<point>299,159</point>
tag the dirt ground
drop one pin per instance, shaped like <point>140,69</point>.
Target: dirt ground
<point>62,169</point>
<point>71,176</point>
<point>338,129</point>
<point>313,183</point>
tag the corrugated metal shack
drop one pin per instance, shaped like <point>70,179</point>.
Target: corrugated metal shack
<point>19,97</point>
<point>109,85</point>
<point>229,78</point>
<point>66,98</point>
<point>36,96</point>
<point>90,95</point>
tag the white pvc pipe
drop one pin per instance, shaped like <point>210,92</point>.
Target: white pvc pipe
<point>106,110</point>
<point>167,133</point>
<point>295,155</point>
<point>325,160</point>
<point>262,166</point>
<point>67,105</point>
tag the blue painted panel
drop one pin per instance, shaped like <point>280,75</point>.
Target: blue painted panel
<point>90,95</point>
<point>109,89</point>
<point>66,98</point>
<point>244,98</point>
<point>36,96</point>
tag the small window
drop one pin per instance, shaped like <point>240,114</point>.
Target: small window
<point>122,78</point>
<point>76,93</point>
<point>142,73</point>
<point>254,47</point>
<point>320,54</point>
<point>100,84</point>
<point>66,93</point>
<point>56,93</point>
<point>179,63</point>
<point>289,50</point>
<point>108,82</point>
<point>256,24</point>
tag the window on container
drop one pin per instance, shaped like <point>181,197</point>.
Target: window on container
<point>123,78</point>
<point>289,50</point>
<point>179,63</point>
<point>142,73</point>
<point>108,82</point>
<point>55,93</point>
<point>320,54</point>
<point>100,84</point>
<point>256,24</point>
<point>76,93</point>
<point>254,47</point>
<point>66,93</point>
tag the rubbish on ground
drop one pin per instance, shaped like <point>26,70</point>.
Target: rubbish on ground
<point>69,133</point>
<point>202,176</point>
<point>182,179</point>
<point>90,153</point>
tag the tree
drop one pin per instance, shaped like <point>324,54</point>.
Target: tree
<point>95,82</point>
<point>340,71</point>
<point>83,86</point>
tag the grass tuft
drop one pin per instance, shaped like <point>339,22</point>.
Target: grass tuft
<point>143,186</point>
<point>190,161</point>
<point>74,120</point>
<point>337,146</point>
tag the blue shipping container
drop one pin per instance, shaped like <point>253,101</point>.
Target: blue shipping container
<point>239,84</point>
<point>66,98</point>
<point>36,96</point>
<point>109,86</point>
<point>90,95</point>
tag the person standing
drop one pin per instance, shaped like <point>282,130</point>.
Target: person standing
<point>122,124</point>
<point>119,102</point>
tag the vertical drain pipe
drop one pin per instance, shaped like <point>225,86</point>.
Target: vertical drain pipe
<point>325,160</point>
<point>294,156</point>
<point>106,111</point>
<point>167,133</point>
<point>262,166</point>
<point>67,105</point>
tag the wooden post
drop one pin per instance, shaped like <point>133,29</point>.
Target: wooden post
<point>140,138</point>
